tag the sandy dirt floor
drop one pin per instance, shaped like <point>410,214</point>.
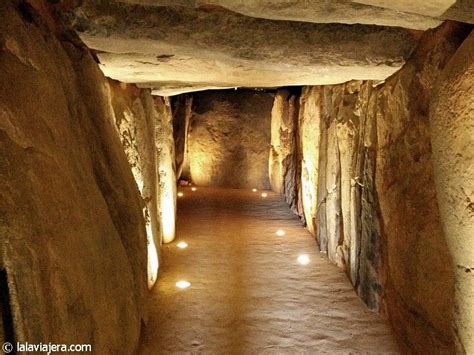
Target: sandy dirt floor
<point>248,293</point>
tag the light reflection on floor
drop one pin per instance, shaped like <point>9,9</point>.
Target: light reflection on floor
<point>248,294</point>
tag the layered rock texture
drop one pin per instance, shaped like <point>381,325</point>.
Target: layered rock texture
<point>179,49</point>
<point>367,186</point>
<point>72,233</point>
<point>229,137</point>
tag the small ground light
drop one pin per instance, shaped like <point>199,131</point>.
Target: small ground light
<point>264,194</point>
<point>182,245</point>
<point>303,259</point>
<point>254,190</point>
<point>180,194</point>
<point>193,189</point>
<point>183,284</point>
<point>280,232</point>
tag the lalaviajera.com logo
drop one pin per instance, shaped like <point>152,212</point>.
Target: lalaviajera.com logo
<point>47,348</point>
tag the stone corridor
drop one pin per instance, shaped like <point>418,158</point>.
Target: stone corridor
<point>129,128</point>
<point>249,294</point>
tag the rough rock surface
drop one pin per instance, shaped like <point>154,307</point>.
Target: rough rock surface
<point>319,11</point>
<point>462,11</point>
<point>180,49</point>
<point>182,112</point>
<point>229,139</point>
<point>366,167</point>
<point>164,145</point>
<point>146,133</point>
<point>417,262</point>
<point>432,8</point>
<point>457,10</point>
<point>452,135</point>
<point>283,164</point>
<point>72,233</point>
<point>135,120</point>
<point>308,146</point>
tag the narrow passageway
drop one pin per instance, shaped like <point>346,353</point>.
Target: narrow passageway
<point>249,293</point>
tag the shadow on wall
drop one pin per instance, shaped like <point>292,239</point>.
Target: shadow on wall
<point>7,332</point>
<point>229,138</point>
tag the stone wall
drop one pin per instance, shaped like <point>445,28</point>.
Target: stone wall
<point>452,136</point>
<point>182,113</point>
<point>418,277</point>
<point>165,156</point>
<point>229,138</point>
<point>284,160</point>
<point>135,121</point>
<point>368,194</point>
<point>145,129</point>
<point>72,233</point>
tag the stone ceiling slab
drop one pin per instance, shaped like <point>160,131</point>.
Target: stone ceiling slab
<point>319,11</point>
<point>433,8</point>
<point>172,48</point>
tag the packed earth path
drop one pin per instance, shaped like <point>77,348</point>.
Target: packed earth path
<point>253,290</point>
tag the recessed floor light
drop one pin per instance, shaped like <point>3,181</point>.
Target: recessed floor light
<point>193,189</point>
<point>264,194</point>
<point>254,190</point>
<point>182,245</point>
<point>180,194</point>
<point>303,259</point>
<point>183,284</point>
<point>280,232</point>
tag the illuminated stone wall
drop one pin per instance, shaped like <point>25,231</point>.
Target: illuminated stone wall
<point>144,125</point>
<point>72,233</point>
<point>164,147</point>
<point>284,163</point>
<point>415,261</point>
<point>182,112</point>
<point>135,121</point>
<point>452,123</point>
<point>368,193</point>
<point>229,138</point>
<point>309,132</point>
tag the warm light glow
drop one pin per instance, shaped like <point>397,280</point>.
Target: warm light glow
<point>254,190</point>
<point>182,245</point>
<point>152,257</point>
<point>280,232</point>
<point>183,284</point>
<point>309,131</point>
<point>180,194</point>
<point>168,216</point>
<point>193,189</point>
<point>303,259</point>
<point>264,194</point>
<point>165,166</point>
